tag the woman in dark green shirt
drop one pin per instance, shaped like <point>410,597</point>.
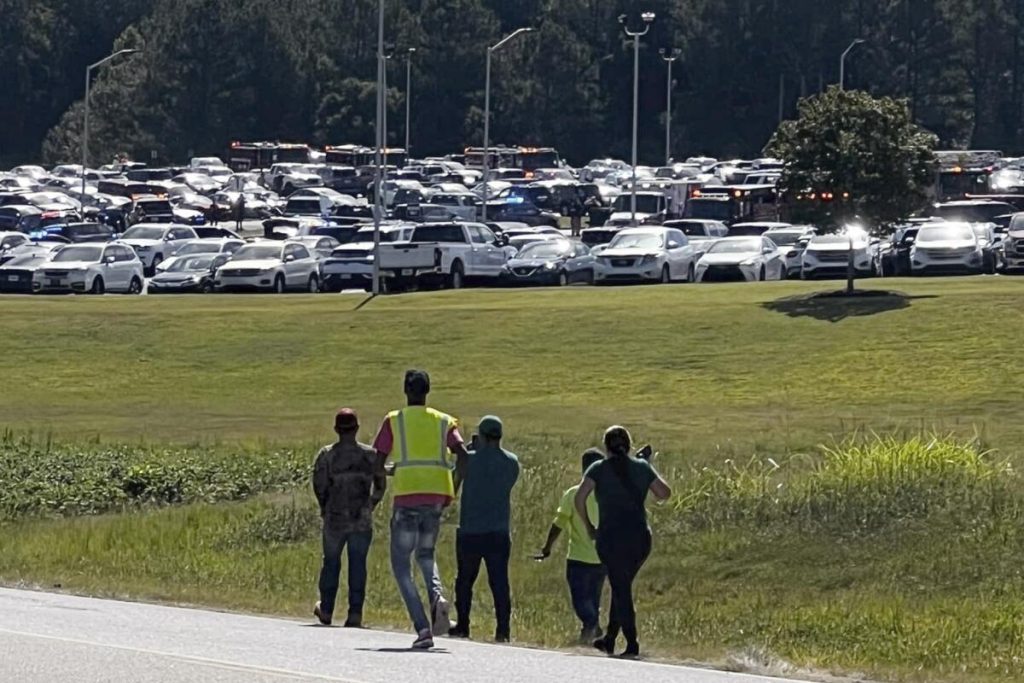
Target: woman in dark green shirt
<point>620,483</point>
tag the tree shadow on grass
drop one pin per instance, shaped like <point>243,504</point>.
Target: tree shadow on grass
<point>835,306</point>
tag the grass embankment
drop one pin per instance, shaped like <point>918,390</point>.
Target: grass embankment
<point>901,560</point>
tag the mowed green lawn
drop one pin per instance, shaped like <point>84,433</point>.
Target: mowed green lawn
<point>699,370</point>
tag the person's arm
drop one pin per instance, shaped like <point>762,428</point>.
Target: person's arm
<point>461,463</point>
<point>660,489</point>
<point>586,488</point>
<point>380,481</point>
<point>553,533</point>
<point>383,443</point>
<point>320,481</point>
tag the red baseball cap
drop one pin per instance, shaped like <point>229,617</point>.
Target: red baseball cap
<point>346,420</point>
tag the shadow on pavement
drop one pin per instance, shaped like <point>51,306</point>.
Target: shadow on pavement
<point>404,650</point>
<point>835,306</point>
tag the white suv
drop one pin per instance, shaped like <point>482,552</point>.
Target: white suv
<point>946,248</point>
<point>91,268</point>
<point>270,265</point>
<point>154,242</point>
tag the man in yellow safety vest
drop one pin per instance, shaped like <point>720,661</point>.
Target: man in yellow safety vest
<point>421,441</point>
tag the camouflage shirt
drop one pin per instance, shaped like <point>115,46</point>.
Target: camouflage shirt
<point>348,480</point>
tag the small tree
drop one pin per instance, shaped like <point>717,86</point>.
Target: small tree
<point>850,156</point>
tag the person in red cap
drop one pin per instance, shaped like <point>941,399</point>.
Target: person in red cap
<point>349,481</point>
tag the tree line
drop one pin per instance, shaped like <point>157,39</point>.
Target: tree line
<point>215,70</point>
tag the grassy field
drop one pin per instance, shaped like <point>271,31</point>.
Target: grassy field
<point>899,559</point>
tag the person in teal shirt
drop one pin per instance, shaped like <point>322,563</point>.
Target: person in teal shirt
<point>484,528</point>
<point>583,569</point>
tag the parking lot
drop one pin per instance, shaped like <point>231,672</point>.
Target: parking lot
<point>291,218</point>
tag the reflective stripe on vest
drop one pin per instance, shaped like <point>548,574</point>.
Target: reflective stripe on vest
<point>420,451</point>
<point>403,446</point>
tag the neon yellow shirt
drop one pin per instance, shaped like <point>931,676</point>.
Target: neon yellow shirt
<point>581,547</point>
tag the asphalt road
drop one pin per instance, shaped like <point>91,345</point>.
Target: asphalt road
<point>50,637</point>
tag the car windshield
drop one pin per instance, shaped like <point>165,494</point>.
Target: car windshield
<point>784,239</point>
<point>552,249</point>
<point>858,241</point>
<point>257,252</point>
<point>943,233</point>
<point>199,248</point>
<point>68,254</point>
<point>637,240</point>
<point>191,264</point>
<point>143,233</point>
<point>735,246</point>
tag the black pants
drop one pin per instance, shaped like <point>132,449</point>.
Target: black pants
<point>493,549</point>
<point>623,553</point>
<point>586,583</point>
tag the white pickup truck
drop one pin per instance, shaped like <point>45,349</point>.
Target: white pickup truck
<point>443,254</point>
<point>350,266</point>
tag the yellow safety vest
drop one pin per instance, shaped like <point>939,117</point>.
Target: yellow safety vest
<point>421,451</point>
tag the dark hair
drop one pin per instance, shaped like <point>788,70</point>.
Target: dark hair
<point>591,456</point>
<point>618,442</point>
<point>417,382</point>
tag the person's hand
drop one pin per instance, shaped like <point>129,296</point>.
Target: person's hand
<point>544,554</point>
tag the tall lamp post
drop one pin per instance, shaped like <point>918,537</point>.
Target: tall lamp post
<point>487,109</point>
<point>378,181</point>
<point>842,62</point>
<point>647,18</point>
<point>408,95</point>
<point>85,127</point>
<point>669,56</point>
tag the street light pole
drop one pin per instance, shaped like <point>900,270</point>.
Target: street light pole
<point>842,62</point>
<point>647,17</point>
<point>408,95</point>
<point>85,126</point>
<point>487,109</point>
<point>669,56</point>
<point>384,113</point>
<point>378,182</point>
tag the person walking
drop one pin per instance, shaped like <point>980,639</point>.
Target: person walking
<point>421,440</point>
<point>484,528</point>
<point>620,483</point>
<point>239,211</point>
<point>348,481</point>
<point>583,569</point>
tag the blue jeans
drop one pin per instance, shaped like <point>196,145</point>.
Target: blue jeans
<point>415,530</point>
<point>586,583</point>
<point>334,542</point>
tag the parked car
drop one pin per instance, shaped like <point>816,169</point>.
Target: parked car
<point>351,265</point>
<point>443,253</point>
<point>185,274</point>
<point>77,232</point>
<point>741,259</point>
<point>155,242</point>
<point>1013,244</point>
<point>946,248</point>
<point>651,254</point>
<point>20,217</point>
<point>16,272</point>
<point>828,256</point>
<point>91,268</point>
<point>753,228</point>
<point>270,266</point>
<point>11,240</point>
<point>320,246</point>
<point>202,246</point>
<point>699,229</point>
<point>553,262</point>
<point>464,206</point>
<point>895,255</point>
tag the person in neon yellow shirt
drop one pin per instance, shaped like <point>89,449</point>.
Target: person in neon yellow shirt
<point>583,569</point>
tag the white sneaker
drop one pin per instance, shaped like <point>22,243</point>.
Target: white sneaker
<point>424,641</point>
<point>440,617</point>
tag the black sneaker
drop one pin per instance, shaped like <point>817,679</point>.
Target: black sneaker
<point>604,645</point>
<point>354,620</point>
<point>501,637</point>
<point>323,617</point>
<point>632,651</point>
<point>458,631</point>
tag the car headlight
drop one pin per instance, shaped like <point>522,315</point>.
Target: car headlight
<point>142,249</point>
<point>648,260</point>
<point>749,262</point>
<point>550,265</point>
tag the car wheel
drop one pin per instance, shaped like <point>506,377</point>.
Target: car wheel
<point>207,287</point>
<point>762,275</point>
<point>783,274</point>
<point>279,284</point>
<point>563,279</point>
<point>590,277</point>
<point>135,286</point>
<point>157,260</point>
<point>691,273</point>
<point>97,286</point>
<point>666,275</point>
<point>457,278</point>
<point>314,285</point>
